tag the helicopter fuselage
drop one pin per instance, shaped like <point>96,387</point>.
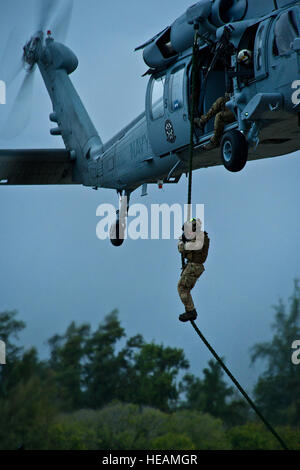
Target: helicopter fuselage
<point>154,147</point>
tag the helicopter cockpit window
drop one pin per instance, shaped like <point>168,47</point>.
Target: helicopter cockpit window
<point>176,89</point>
<point>260,49</point>
<point>157,98</point>
<point>286,30</point>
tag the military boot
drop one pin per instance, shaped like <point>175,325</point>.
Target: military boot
<point>188,316</point>
<point>212,144</point>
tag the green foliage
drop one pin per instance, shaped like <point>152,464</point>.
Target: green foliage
<point>130,427</point>
<point>67,434</point>
<point>152,370</point>
<point>89,372</point>
<point>172,441</point>
<point>126,427</point>
<point>102,365</point>
<point>206,432</point>
<point>278,390</point>
<point>67,353</point>
<point>9,329</point>
<point>117,427</point>
<point>26,414</point>
<point>92,393</point>
<point>211,395</point>
<point>254,436</point>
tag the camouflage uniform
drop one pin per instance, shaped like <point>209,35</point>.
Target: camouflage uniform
<point>195,251</point>
<point>223,117</point>
<point>188,279</point>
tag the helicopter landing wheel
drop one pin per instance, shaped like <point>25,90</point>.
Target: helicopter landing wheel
<point>234,151</point>
<point>117,234</point>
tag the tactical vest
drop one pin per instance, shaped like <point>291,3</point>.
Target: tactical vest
<point>199,256</point>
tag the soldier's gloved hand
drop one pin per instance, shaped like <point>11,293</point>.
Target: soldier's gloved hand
<point>181,247</point>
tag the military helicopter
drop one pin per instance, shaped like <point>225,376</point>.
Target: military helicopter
<point>154,147</point>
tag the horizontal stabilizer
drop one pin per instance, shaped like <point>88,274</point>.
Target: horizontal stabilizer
<point>35,167</point>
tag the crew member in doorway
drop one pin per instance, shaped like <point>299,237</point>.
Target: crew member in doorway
<point>193,246</point>
<point>223,117</point>
<point>245,66</point>
<point>245,57</point>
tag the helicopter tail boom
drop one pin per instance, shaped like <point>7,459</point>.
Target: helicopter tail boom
<point>72,121</point>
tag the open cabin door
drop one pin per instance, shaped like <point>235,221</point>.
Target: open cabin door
<point>214,89</point>
<point>167,110</point>
<point>283,59</point>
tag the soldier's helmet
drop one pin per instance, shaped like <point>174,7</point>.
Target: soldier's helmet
<point>244,57</point>
<point>191,228</point>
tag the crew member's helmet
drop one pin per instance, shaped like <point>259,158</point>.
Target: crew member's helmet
<point>244,57</point>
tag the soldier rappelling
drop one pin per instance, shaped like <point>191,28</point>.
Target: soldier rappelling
<point>193,246</point>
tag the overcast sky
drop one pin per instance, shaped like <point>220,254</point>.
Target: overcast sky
<point>54,269</point>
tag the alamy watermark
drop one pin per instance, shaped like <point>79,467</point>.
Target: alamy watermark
<point>2,353</point>
<point>160,221</point>
<point>296,94</point>
<point>296,353</point>
<point>2,92</point>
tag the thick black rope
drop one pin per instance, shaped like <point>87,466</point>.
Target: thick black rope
<point>192,118</point>
<point>219,360</point>
<point>240,388</point>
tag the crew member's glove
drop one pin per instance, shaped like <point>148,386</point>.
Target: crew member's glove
<point>200,122</point>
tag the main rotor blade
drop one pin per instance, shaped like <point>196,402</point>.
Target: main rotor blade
<point>45,9</point>
<point>9,74</point>
<point>10,64</point>
<point>62,21</point>
<point>20,113</point>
